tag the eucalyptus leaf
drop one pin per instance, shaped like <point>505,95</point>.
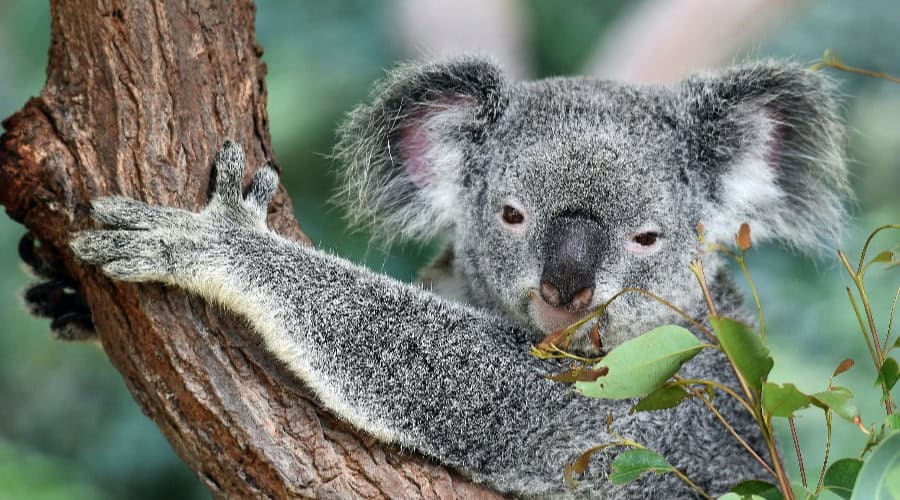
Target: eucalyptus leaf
<point>879,478</point>
<point>889,373</point>
<point>745,349</point>
<point>630,464</point>
<point>841,476</point>
<point>892,422</point>
<point>783,400</point>
<point>800,492</point>
<point>885,256</point>
<point>758,489</point>
<point>667,396</point>
<point>843,366</point>
<point>838,400</point>
<point>643,364</point>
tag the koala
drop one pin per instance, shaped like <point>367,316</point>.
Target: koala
<point>551,195</point>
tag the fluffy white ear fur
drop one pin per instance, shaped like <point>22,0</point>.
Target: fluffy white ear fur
<point>431,148</point>
<point>749,193</point>
<point>776,189</point>
<point>786,177</point>
<point>402,157</point>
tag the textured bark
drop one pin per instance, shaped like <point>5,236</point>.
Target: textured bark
<point>139,96</point>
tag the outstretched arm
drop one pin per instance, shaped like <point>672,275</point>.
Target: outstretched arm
<point>449,381</point>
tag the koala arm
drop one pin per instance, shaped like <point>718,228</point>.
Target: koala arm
<point>448,381</point>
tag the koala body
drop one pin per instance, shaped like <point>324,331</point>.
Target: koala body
<point>553,195</point>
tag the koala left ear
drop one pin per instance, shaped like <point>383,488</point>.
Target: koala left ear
<point>405,156</point>
<point>768,139</point>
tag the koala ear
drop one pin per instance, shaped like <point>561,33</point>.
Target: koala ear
<point>404,156</point>
<point>768,140</point>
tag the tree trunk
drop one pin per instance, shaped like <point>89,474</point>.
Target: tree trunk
<point>139,96</point>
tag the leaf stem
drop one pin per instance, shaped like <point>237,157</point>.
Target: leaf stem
<point>862,256</point>
<point>697,269</point>
<point>687,481</point>
<point>860,287</point>
<point>717,385</point>
<point>862,328</point>
<point>759,310</point>
<point>832,62</point>
<point>783,481</point>
<point>699,395</point>
<point>827,452</point>
<point>887,336</point>
<point>797,450</point>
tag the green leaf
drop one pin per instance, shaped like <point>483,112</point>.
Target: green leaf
<point>880,475</point>
<point>643,364</point>
<point>800,492</point>
<point>885,256</point>
<point>630,464</point>
<point>892,422</point>
<point>889,373</point>
<point>841,476</point>
<point>783,400</point>
<point>667,396</point>
<point>837,400</point>
<point>755,488</point>
<point>745,349</point>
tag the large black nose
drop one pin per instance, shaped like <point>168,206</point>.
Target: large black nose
<point>572,249</point>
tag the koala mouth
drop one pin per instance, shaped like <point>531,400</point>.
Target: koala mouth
<point>549,318</point>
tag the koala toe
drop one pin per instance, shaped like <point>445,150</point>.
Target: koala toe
<point>117,212</point>
<point>261,189</point>
<point>74,326</point>
<point>133,269</point>
<point>103,247</point>
<point>53,298</point>
<point>36,264</point>
<point>56,297</point>
<point>229,172</point>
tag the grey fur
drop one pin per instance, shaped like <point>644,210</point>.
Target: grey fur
<point>455,381</point>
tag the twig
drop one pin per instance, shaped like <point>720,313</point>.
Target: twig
<point>699,395</point>
<point>827,451</point>
<point>797,450</point>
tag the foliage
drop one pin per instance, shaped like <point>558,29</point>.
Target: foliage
<point>646,367</point>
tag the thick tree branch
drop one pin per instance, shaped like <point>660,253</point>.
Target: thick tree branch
<point>139,95</point>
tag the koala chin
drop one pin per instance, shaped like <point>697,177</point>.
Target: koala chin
<point>551,196</point>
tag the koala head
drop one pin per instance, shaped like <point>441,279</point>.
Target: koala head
<point>558,193</point>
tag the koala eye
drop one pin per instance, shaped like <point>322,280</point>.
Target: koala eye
<point>646,239</point>
<point>512,216</point>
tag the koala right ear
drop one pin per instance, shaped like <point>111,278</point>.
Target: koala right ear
<point>403,156</point>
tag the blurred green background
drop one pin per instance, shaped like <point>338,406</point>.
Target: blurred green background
<point>68,426</point>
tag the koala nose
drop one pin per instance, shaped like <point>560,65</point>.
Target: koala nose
<point>572,249</point>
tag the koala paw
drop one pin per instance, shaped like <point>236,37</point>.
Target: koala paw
<point>149,243</point>
<point>56,296</point>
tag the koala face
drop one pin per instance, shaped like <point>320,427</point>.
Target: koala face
<point>557,194</point>
<point>582,195</point>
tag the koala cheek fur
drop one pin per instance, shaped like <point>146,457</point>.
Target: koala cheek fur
<point>453,379</point>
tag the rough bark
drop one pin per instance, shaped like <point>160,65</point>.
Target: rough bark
<point>139,95</point>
